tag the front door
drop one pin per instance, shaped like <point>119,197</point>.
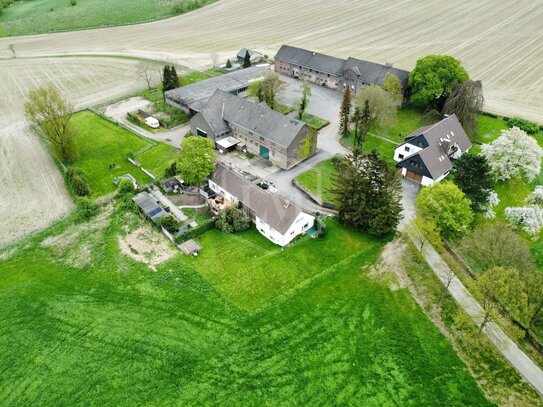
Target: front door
<point>265,152</point>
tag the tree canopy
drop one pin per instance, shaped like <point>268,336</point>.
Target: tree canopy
<point>473,175</point>
<point>393,85</point>
<point>514,155</point>
<point>466,102</point>
<point>345,112</point>
<point>268,89</point>
<point>47,109</point>
<point>446,205</point>
<point>368,192</point>
<point>373,105</point>
<point>196,160</point>
<point>434,78</point>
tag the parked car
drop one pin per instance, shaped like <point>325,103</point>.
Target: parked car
<point>152,122</point>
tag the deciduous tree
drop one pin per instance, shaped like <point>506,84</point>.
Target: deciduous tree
<point>345,112</point>
<point>304,100</point>
<point>368,191</point>
<point>47,109</point>
<point>376,106</point>
<point>514,155</point>
<point>268,89</point>
<point>393,85</point>
<point>466,102</point>
<point>145,71</point>
<point>424,231</point>
<point>434,78</point>
<point>474,177</point>
<point>447,206</point>
<point>196,160</point>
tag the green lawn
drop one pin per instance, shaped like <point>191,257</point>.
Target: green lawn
<point>42,16</point>
<point>103,144</point>
<point>113,332</point>
<point>319,180</point>
<point>158,158</point>
<point>192,77</point>
<point>315,122</point>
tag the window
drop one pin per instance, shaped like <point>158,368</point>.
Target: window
<point>407,149</point>
<point>261,138</point>
<point>400,156</point>
<point>306,225</point>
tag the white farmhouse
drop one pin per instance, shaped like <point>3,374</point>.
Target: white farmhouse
<point>275,217</point>
<point>427,153</point>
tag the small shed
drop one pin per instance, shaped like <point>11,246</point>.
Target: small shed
<point>191,247</point>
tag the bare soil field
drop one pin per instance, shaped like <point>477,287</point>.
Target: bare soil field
<point>498,42</point>
<point>32,191</point>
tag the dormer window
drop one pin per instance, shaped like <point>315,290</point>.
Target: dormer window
<point>407,149</point>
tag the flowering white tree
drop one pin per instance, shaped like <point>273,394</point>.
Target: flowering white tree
<point>493,200</point>
<point>536,197</point>
<point>530,218</point>
<point>514,154</point>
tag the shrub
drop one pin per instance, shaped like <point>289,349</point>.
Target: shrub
<point>73,3</point>
<point>78,182</point>
<point>536,197</point>
<point>126,186</point>
<point>228,64</point>
<point>527,126</point>
<point>169,223</point>
<point>232,219</point>
<point>320,227</point>
<point>86,208</point>
<point>171,171</point>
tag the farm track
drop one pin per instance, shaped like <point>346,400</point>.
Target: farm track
<point>498,42</point>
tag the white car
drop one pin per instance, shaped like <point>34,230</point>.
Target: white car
<point>152,122</point>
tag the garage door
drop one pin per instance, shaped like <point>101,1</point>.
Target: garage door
<point>414,176</point>
<point>264,152</point>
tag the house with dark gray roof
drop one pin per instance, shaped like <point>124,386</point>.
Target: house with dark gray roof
<point>253,55</point>
<point>275,216</point>
<point>262,131</point>
<point>427,153</point>
<point>335,73</point>
<point>192,98</point>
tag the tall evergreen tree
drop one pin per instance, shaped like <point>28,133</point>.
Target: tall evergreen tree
<point>344,113</point>
<point>174,79</point>
<point>166,78</point>
<point>473,175</point>
<point>246,60</point>
<point>369,192</point>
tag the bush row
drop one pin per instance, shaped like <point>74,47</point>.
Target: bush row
<point>202,227</point>
<point>78,182</point>
<point>528,126</point>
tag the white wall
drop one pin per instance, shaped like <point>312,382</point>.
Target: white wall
<point>302,224</point>
<point>402,150</point>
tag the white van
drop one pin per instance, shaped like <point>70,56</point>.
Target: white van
<point>152,122</point>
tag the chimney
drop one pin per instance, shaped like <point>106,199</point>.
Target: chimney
<point>286,203</point>
<point>389,64</point>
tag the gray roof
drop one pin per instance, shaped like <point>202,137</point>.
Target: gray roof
<point>368,72</point>
<point>149,205</point>
<point>272,208</point>
<point>241,53</point>
<point>197,94</point>
<point>190,246</point>
<point>224,108</point>
<point>310,59</point>
<point>440,136</point>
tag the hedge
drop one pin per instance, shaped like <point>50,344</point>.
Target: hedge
<point>202,227</point>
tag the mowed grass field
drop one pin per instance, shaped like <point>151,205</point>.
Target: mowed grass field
<point>42,16</point>
<point>104,149</point>
<point>109,331</point>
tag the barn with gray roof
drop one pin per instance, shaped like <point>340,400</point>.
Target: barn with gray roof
<point>193,98</point>
<point>273,136</point>
<point>335,73</point>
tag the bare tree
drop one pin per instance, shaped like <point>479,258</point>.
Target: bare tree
<point>449,277</point>
<point>214,59</point>
<point>145,71</point>
<point>12,49</point>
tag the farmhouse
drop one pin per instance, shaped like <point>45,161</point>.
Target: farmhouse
<point>275,217</point>
<point>335,73</point>
<point>192,98</point>
<point>426,154</point>
<point>229,120</point>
